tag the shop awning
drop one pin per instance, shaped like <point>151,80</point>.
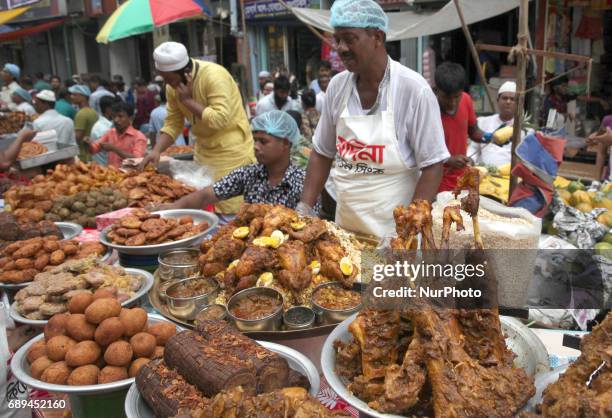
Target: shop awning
<point>16,34</point>
<point>406,25</point>
<point>8,15</point>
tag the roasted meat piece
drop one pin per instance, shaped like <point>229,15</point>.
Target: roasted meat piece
<point>410,221</point>
<point>277,217</point>
<point>470,181</point>
<point>311,232</point>
<point>294,273</point>
<point>250,211</point>
<point>329,252</point>
<point>451,214</point>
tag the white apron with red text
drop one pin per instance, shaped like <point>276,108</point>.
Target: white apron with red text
<point>370,176</point>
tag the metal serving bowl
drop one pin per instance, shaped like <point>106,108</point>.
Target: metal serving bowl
<point>172,270</point>
<point>331,316</point>
<point>298,317</point>
<point>271,322</point>
<point>209,309</point>
<point>188,307</point>
<point>69,230</point>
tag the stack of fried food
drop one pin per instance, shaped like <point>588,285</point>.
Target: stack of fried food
<point>53,291</point>
<point>426,362</point>
<point>12,229</point>
<point>272,246</point>
<point>13,122</point>
<point>178,150</point>
<point>31,149</point>
<point>33,201</point>
<point>150,188</point>
<point>142,227</point>
<point>22,260</point>
<point>585,389</point>
<point>217,372</point>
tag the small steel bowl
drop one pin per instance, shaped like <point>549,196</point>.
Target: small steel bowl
<point>169,270</point>
<point>271,322</point>
<point>209,310</point>
<point>327,316</point>
<point>188,307</point>
<point>298,317</point>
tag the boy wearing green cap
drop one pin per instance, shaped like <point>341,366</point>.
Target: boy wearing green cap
<point>84,119</point>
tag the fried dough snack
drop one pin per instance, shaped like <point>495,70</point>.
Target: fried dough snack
<point>178,149</point>
<point>31,149</point>
<point>144,228</point>
<point>148,187</point>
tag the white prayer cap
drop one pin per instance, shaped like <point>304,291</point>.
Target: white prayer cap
<point>507,87</point>
<point>46,95</point>
<point>263,74</point>
<point>170,56</point>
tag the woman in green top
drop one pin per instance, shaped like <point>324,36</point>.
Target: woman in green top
<point>84,119</point>
<point>63,106</point>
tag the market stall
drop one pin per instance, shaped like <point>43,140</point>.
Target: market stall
<point>192,335</point>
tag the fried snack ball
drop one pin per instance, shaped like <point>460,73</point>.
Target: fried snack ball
<point>39,366</point>
<point>80,302</point>
<point>109,330</point>
<point>41,262</point>
<point>79,329</point>
<point>85,352</point>
<point>57,257</point>
<point>69,249</point>
<point>162,332</point>
<point>112,374</point>
<point>4,261</point>
<point>119,353</point>
<point>24,264</point>
<point>101,309</point>
<point>84,375</point>
<point>143,344</point>
<point>107,292</point>
<point>57,373</point>
<point>58,346</point>
<point>37,350</point>
<point>136,365</point>
<point>27,250</point>
<point>56,326</point>
<point>50,245</point>
<point>28,274</point>
<point>134,321</point>
<point>159,352</point>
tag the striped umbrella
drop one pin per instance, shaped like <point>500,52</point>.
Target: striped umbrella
<point>140,16</point>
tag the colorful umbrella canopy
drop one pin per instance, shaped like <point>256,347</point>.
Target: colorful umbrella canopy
<point>140,16</point>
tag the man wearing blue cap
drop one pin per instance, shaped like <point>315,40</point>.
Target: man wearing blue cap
<point>380,122</point>
<point>272,180</point>
<point>22,100</point>
<point>10,74</point>
<point>84,119</point>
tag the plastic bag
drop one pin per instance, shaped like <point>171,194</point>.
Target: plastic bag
<point>579,228</point>
<point>191,173</point>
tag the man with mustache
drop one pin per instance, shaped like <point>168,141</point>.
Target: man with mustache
<point>280,100</point>
<point>380,122</point>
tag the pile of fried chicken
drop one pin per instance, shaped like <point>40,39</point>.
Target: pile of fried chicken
<point>300,253</point>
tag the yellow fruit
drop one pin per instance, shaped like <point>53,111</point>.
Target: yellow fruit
<point>561,182</point>
<point>584,207</point>
<point>504,170</point>
<point>565,195</point>
<point>346,267</point>
<point>241,232</point>
<point>580,196</point>
<point>483,170</point>
<point>503,135</point>
<point>265,279</point>
<point>315,267</point>
<point>607,203</point>
<point>299,225</point>
<point>607,188</point>
<point>606,219</point>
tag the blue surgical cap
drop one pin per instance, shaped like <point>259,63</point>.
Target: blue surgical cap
<point>23,93</point>
<point>12,69</point>
<point>80,89</point>
<point>358,14</point>
<point>277,123</point>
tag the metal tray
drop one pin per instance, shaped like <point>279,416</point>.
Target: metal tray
<point>136,407</point>
<point>69,229</point>
<point>144,288</point>
<point>531,355</point>
<point>197,215</point>
<point>63,152</point>
<point>21,370</point>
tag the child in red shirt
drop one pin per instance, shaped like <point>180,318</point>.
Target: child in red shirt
<point>123,140</point>
<point>458,121</point>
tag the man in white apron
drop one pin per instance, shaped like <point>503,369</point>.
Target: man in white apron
<point>380,121</point>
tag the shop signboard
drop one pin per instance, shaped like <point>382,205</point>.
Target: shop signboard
<point>265,9</point>
<point>44,9</point>
<point>14,4</point>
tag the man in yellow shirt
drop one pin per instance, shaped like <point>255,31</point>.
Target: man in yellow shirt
<point>206,95</point>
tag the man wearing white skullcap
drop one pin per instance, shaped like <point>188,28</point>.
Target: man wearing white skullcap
<point>381,124</point>
<point>10,74</point>
<point>263,77</point>
<point>496,154</point>
<point>207,96</point>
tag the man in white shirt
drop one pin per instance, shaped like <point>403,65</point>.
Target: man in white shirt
<point>380,122</point>
<point>22,100</point>
<point>325,69</point>
<point>492,154</point>
<point>44,103</point>
<point>97,92</point>
<point>10,74</point>
<point>279,99</point>
<point>262,78</point>
<point>101,128</point>
<point>323,83</point>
